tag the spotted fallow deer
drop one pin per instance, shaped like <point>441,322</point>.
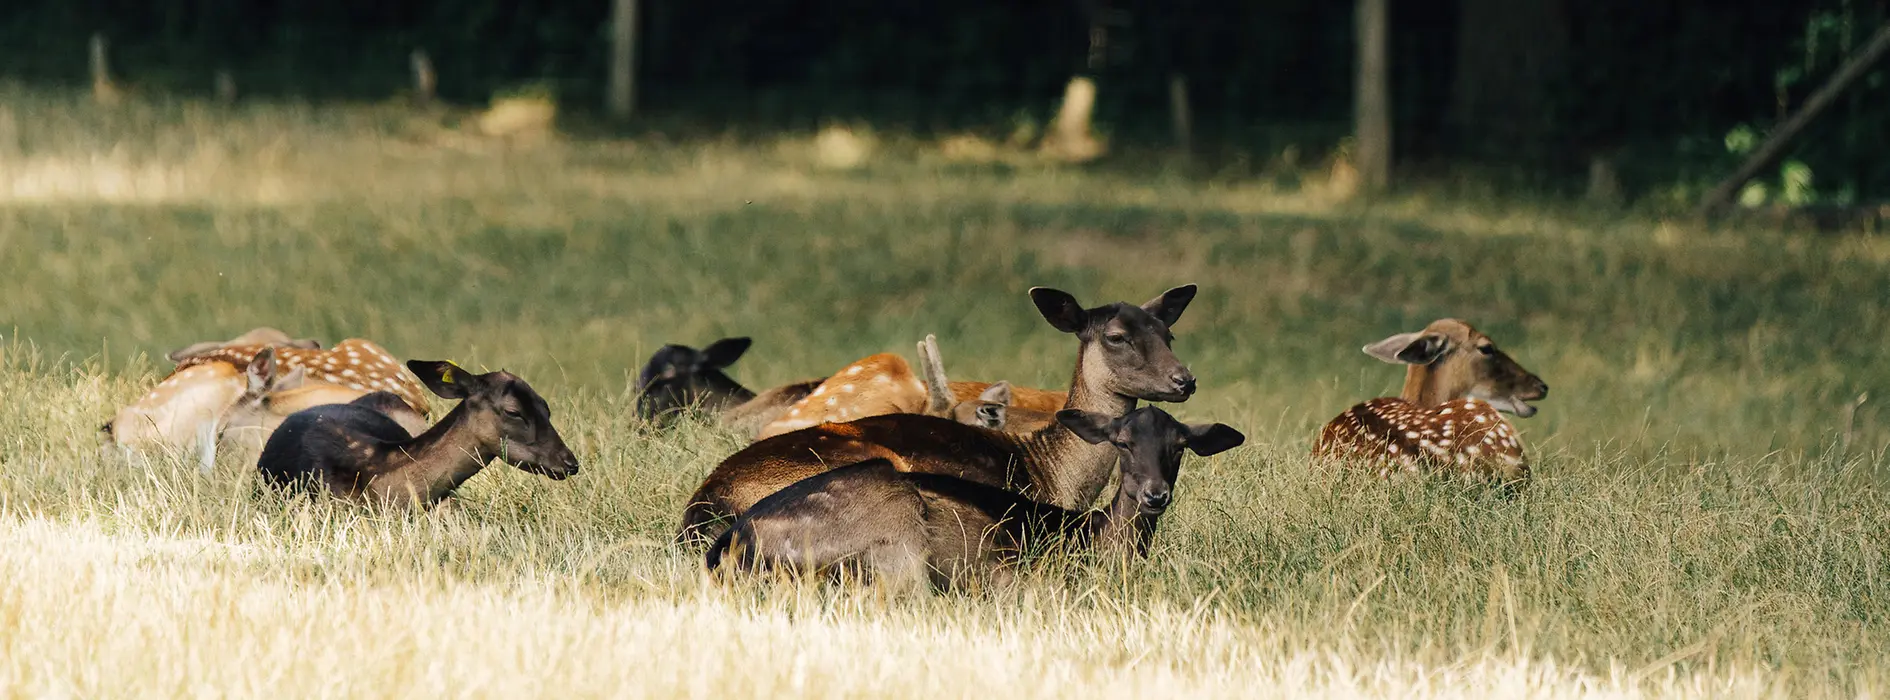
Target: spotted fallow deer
<point>1124,356</point>
<point>273,395</point>
<point>1457,384</point>
<point>354,363</point>
<point>679,378</point>
<point>884,383</point>
<point>912,531</point>
<point>359,454</point>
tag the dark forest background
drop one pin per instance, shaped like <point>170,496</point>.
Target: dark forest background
<point>1675,90</point>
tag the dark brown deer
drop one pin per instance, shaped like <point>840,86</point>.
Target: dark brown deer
<point>357,453</point>
<point>910,531</point>
<point>679,378</point>
<point>1124,356</point>
<point>1457,384</point>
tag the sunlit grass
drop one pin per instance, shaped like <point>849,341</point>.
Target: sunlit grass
<point>1708,517</point>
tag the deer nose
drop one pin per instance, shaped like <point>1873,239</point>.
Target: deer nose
<point>1156,500</point>
<point>1184,381</point>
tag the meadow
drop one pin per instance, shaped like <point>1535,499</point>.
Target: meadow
<point>1708,516</point>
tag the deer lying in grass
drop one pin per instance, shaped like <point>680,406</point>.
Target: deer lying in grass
<point>359,454</point>
<point>1455,383</point>
<point>1123,357</point>
<point>354,363</point>
<point>185,412</point>
<point>679,378</point>
<point>882,384</point>
<point>911,531</point>
<point>273,395</point>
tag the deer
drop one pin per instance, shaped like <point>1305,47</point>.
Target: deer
<point>355,363</point>
<point>1123,356</point>
<point>916,531</point>
<point>679,378</point>
<point>206,405</point>
<point>884,383</point>
<point>360,455</point>
<point>273,395</point>
<point>1457,385</point>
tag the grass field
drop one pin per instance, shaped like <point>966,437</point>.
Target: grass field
<point>1708,516</point>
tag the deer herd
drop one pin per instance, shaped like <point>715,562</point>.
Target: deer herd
<point>875,472</point>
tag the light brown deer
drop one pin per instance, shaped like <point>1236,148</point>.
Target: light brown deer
<point>354,363</point>
<point>912,531</point>
<point>179,416</point>
<point>1123,357</point>
<point>1448,417</point>
<point>272,395</point>
<point>359,454</point>
<point>881,384</point>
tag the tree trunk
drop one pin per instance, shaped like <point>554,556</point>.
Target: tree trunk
<point>1769,153</point>
<point>1372,147</point>
<point>620,99</point>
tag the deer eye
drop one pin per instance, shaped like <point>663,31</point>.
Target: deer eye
<point>1486,349</point>
<point>511,412</point>
<point>1116,339</point>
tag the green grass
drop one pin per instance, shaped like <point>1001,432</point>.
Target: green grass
<point>1707,518</point>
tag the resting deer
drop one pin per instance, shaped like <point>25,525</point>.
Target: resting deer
<point>217,387</point>
<point>179,416</point>
<point>359,454</point>
<point>884,383</point>
<point>1123,357</point>
<point>1455,383</point>
<point>910,531</point>
<point>354,363</point>
<point>273,395</point>
<point>678,378</point>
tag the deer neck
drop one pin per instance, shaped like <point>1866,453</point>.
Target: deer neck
<point>1063,468</point>
<point>1121,527</point>
<point>1425,386</point>
<point>436,462</point>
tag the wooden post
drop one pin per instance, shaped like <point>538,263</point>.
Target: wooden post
<point>225,86</point>
<point>1373,103</point>
<point>104,89</point>
<point>425,81</point>
<point>1180,114</point>
<point>1773,149</point>
<point>620,98</point>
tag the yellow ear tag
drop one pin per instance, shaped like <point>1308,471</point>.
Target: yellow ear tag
<point>446,376</point>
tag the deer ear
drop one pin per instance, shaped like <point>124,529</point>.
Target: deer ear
<point>1170,304</point>
<point>261,371</point>
<point>1410,348</point>
<point>193,350</point>
<point>1060,309</point>
<point>1208,440</point>
<point>724,352</point>
<point>305,344</point>
<point>1093,428</point>
<point>445,378</point>
<point>999,393</point>
<point>293,379</point>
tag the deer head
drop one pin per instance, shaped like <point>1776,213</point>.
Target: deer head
<point>1449,360</point>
